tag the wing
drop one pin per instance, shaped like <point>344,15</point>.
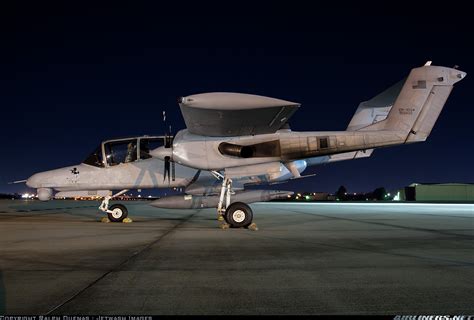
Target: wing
<point>225,114</point>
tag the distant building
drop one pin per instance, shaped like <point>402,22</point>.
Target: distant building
<point>309,196</point>
<point>320,196</point>
<point>437,192</point>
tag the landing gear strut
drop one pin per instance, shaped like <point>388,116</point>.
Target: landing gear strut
<point>235,215</point>
<point>225,193</point>
<point>116,212</point>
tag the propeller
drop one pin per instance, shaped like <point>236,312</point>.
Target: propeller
<point>168,154</point>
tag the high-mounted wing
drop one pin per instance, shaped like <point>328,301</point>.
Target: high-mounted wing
<point>225,114</point>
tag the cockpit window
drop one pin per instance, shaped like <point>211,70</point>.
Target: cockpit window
<point>148,144</point>
<point>95,158</point>
<point>121,151</point>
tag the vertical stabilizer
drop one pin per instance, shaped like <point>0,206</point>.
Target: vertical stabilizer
<point>376,109</point>
<point>420,102</point>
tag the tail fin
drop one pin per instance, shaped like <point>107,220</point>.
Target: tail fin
<point>375,109</point>
<point>368,113</point>
<point>419,102</point>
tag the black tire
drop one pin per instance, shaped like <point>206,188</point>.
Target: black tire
<point>121,213</point>
<point>239,215</point>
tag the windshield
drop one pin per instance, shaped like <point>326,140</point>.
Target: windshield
<point>124,151</point>
<point>95,158</point>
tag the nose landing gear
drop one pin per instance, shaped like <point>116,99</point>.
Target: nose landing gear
<point>116,212</point>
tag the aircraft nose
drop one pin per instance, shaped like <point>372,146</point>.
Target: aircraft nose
<point>35,180</point>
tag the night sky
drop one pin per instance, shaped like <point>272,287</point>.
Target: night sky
<point>76,74</point>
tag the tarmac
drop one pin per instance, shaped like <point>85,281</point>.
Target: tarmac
<point>325,258</point>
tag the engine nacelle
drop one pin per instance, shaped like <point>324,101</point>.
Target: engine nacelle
<point>45,194</point>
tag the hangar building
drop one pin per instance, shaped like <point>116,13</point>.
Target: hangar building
<point>437,192</point>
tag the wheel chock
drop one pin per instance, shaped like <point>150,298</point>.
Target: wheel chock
<point>224,226</point>
<point>127,220</point>
<point>253,227</point>
<point>105,220</point>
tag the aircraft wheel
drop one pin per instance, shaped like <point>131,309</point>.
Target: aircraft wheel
<point>239,215</point>
<point>119,212</point>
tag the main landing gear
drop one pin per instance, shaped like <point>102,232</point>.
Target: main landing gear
<point>116,212</point>
<point>235,215</point>
<point>238,215</point>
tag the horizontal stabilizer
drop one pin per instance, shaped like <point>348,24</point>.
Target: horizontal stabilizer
<point>305,176</point>
<point>351,155</point>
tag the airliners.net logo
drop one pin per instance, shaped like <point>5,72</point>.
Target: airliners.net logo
<point>434,317</point>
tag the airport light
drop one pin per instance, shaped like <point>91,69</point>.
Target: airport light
<point>397,197</point>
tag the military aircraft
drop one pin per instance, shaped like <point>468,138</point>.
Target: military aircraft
<point>234,140</point>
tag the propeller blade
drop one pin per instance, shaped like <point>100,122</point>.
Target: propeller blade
<point>167,141</point>
<point>167,169</point>
<point>173,171</point>
<point>168,144</point>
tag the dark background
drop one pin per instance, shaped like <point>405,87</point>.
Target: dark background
<point>75,73</point>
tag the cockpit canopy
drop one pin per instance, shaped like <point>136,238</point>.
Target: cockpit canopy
<point>113,152</point>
